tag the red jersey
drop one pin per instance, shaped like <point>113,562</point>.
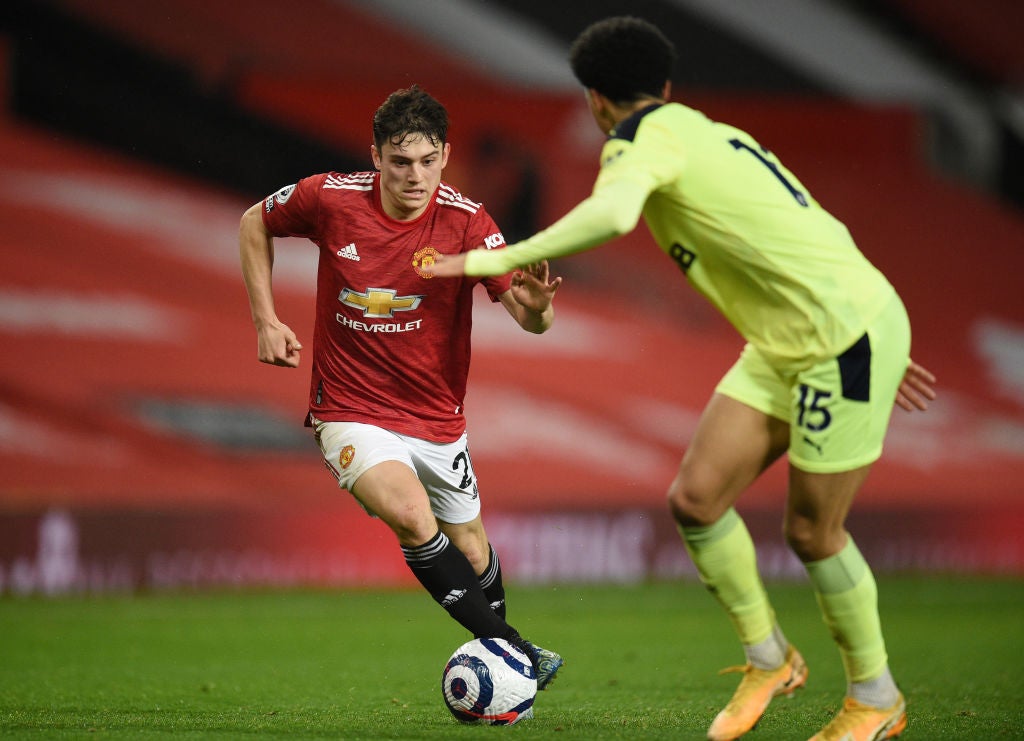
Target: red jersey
<point>391,346</point>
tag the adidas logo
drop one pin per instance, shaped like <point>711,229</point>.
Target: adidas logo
<point>453,596</point>
<point>349,252</point>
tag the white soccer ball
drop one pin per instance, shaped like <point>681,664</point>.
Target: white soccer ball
<point>488,680</point>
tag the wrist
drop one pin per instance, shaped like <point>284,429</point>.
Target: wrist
<point>265,322</point>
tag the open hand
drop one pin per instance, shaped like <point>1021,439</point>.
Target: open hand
<point>533,288</point>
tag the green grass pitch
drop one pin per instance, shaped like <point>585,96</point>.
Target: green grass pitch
<point>641,662</point>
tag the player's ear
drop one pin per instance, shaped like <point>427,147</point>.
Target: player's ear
<point>666,92</point>
<point>445,151</point>
<point>375,156</point>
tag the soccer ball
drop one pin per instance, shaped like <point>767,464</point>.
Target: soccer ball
<point>488,680</point>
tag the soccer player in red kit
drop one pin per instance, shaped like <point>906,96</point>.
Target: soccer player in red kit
<point>391,348</point>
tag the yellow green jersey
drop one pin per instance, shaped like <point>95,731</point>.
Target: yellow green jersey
<point>743,229</point>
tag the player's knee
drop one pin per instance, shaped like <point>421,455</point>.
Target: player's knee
<point>693,499</point>
<point>477,556</point>
<point>411,525</point>
<point>472,541</point>
<point>812,541</point>
<point>799,538</point>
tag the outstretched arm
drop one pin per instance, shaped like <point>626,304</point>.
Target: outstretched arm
<point>276,343</point>
<point>529,300</point>
<point>611,211</point>
<point>916,390</point>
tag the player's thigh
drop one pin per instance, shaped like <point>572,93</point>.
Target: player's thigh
<point>741,432</point>
<point>745,427</point>
<point>732,446</point>
<point>470,538</point>
<point>446,470</point>
<point>376,467</point>
<point>392,492</point>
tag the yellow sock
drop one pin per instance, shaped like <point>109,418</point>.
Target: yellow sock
<point>848,597</point>
<point>727,563</point>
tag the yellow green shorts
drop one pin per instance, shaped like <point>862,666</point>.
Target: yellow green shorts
<point>838,410</point>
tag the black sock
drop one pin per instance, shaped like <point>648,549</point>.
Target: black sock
<point>446,573</point>
<point>494,588</point>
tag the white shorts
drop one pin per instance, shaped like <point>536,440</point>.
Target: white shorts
<point>350,449</point>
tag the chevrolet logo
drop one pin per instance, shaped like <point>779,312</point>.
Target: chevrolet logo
<point>379,303</point>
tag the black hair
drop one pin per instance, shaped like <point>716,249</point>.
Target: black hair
<point>410,111</point>
<point>624,58</point>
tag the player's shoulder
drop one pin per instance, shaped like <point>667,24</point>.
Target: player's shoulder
<point>340,191</point>
<point>344,182</point>
<point>451,201</point>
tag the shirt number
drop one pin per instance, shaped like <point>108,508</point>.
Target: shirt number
<point>462,461</point>
<point>797,194</point>
<point>811,413</point>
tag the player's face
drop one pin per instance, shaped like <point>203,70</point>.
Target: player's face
<point>409,174</point>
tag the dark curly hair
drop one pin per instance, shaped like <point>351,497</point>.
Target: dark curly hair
<point>410,111</point>
<point>624,58</point>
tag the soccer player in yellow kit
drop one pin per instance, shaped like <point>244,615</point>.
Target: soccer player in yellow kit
<point>827,353</point>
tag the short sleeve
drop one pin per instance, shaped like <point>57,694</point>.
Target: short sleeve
<point>294,210</point>
<point>484,231</point>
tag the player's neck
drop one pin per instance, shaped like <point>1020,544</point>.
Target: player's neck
<point>621,113</point>
<point>617,114</point>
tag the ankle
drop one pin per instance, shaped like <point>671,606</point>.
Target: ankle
<point>769,653</point>
<point>880,692</point>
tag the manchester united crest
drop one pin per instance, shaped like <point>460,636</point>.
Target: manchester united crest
<point>347,454</point>
<point>424,258</point>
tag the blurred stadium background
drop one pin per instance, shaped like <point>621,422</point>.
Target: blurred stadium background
<point>143,447</point>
